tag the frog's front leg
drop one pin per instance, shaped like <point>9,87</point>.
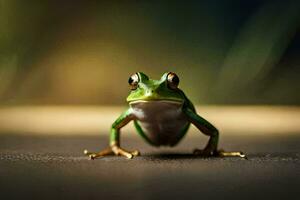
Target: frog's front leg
<point>207,128</point>
<point>114,148</point>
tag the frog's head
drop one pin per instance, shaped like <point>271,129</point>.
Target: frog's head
<point>145,89</point>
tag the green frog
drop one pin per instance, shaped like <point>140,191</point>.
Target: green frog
<point>162,114</point>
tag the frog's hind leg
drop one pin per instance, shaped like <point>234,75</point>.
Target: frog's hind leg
<point>93,155</point>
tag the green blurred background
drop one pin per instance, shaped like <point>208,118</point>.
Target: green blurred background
<point>82,52</point>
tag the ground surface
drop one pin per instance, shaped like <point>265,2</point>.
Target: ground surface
<point>53,167</point>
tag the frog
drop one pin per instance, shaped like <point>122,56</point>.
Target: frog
<point>162,115</point>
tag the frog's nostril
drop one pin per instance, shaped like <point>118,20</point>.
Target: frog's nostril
<point>149,92</point>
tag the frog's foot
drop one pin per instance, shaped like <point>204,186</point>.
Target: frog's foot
<point>128,154</point>
<point>93,155</point>
<point>218,153</point>
<point>114,150</point>
<point>223,153</point>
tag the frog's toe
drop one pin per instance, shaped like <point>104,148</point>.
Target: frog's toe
<point>85,152</point>
<point>128,154</point>
<point>136,153</point>
<point>232,154</point>
<point>93,155</point>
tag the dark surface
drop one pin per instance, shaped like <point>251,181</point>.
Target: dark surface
<point>53,167</point>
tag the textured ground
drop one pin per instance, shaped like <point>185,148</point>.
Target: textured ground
<point>53,167</point>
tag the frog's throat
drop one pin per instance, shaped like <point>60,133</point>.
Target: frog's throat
<point>156,100</point>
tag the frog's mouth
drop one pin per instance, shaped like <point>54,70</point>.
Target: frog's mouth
<point>157,107</point>
<point>155,101</point>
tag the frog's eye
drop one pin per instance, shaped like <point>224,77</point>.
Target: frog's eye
<point>133,81</point>
<point>173,80</point>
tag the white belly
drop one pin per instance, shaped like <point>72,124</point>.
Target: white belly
<point>162,122</point>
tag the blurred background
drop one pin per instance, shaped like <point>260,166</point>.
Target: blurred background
<point>79,52</point>
<point>233,52</point>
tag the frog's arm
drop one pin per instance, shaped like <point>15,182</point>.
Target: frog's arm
<point>124,119</point>
<point>205,127</point>
<point>114,147</point>
<point>208,129</point>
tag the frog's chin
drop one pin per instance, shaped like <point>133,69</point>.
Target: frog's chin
<point>168,101</point>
